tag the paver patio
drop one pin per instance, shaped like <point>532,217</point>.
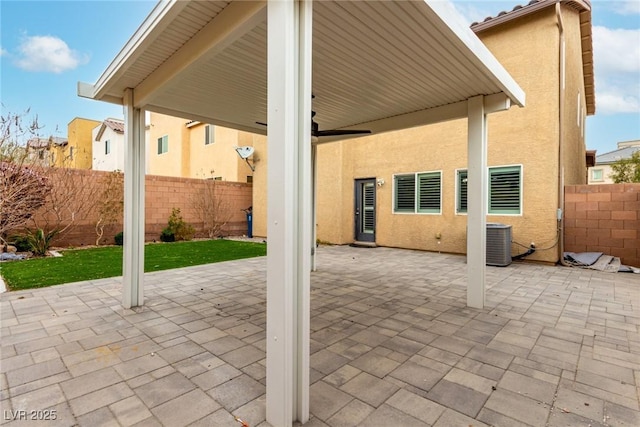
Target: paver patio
<point>392,343</point>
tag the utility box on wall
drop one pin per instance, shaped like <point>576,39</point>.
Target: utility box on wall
<point>498,244</point>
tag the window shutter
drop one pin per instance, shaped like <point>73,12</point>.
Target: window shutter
<point>462,191</point>
<point>504,190</point>
<point>405,193</point>
<point>429,192</point>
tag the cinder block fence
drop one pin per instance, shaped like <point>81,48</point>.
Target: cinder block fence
<point>162,194</point>
<point>604,218</point>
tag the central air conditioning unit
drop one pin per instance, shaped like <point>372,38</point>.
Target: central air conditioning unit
<point>498,244</point>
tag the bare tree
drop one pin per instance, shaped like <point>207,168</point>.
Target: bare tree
<point>23,191</point>
<point>23,185</point>
<point>111,203</point>
<point>73,199</point>
<point>213,207</point>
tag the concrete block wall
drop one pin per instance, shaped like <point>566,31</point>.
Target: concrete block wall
<point>162,194</point>
<point>604,218</point>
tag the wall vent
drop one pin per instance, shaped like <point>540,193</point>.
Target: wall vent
<point>498,244</point>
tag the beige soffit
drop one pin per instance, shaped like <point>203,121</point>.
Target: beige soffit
<point>380,65</point>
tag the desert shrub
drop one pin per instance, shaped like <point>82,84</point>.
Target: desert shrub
<point>177,227</point>
<point>167,235</point>
<point>40,241</point>
<point>21,242</point>
<point>119,238</point>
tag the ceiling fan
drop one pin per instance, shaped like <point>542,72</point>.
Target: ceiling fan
<point>315,131</point>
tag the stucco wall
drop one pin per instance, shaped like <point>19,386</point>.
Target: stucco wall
<point>79,134</point>
<point>606,174</point>
<point>175,160</point>
<point>527,137</point>
<point>188,154</point>
<point>115,159</point>
<point>604,218</point>
<point>528,48</point>
<point>574,155</point>
<point>260,187</point>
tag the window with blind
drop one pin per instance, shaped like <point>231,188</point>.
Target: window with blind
<point>505,190</point>
<point>505,186</point>
<point>209,134</point>
<point>461,191</point>
<point>418,193</point>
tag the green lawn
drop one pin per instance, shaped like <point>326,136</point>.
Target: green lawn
<point>96,263</point>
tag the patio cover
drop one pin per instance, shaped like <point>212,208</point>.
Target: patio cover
<point>378,65</point>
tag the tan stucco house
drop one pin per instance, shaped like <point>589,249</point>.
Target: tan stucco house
<point>192,149</point>
<point>77,153</point>
<point>408,188</point>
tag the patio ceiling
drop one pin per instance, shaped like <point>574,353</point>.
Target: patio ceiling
<point>377,65</point>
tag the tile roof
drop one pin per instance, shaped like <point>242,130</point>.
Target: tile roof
<point>46,142</point>
<point>507,12</point>
<point>615,155</point>
<point>115,124</point>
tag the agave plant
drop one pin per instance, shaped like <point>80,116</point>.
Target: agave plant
<point>40,241</point>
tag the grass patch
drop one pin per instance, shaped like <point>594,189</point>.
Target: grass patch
<point>97,263</point>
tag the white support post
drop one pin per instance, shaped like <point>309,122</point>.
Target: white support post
<point>288,210</point>
<point>476,202</point>
<point>306,214</point>
<point>134,172</point>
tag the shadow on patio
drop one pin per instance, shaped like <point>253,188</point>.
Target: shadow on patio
<point>392,343</point>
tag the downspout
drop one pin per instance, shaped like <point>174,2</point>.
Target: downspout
<point>561,80</point>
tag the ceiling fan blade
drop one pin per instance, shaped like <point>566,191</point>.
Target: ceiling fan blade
<point>337,132</point>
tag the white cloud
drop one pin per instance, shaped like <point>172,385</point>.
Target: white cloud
<point>616,59</point>
<point>3,52</point>
<point>616,49</point>
<point>615,100</point>
<point>628,7</point>
<point>47,53</point>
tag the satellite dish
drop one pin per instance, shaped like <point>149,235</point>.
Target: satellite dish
<point>244,152</point>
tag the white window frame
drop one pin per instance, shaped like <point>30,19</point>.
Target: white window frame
<point>107,147</point>
<point>489,211</point>
<point>520,186</point>
<point>416,194</point>
<point>163,144</point>
<point>457,194</point>
<point>593,178</point>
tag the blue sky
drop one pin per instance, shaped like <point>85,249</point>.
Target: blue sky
<point>46,47</point>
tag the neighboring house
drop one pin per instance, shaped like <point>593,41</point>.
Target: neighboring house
<point>77,153</point>
<point>600,173</point>
<point>191,149</point>
<point>408,188</point>
<point>108,145</point>
<point>45,151</point>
